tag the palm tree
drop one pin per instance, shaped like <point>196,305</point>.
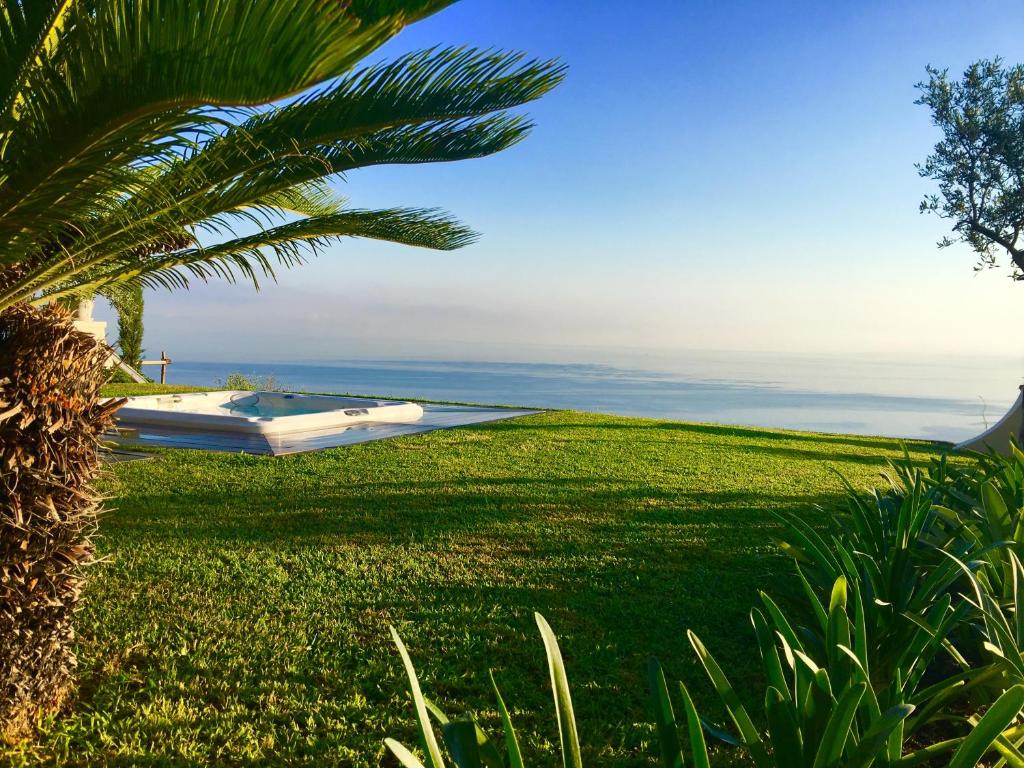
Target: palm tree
<point>156,142</point>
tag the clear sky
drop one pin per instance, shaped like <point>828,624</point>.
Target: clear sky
<point>712,175</point>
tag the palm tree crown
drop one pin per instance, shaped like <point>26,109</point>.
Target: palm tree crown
<point>157,141</point>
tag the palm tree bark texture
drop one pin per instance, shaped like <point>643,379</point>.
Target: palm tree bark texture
<point>51,422</point>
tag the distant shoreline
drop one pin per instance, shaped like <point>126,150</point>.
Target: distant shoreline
<point>753,400</point>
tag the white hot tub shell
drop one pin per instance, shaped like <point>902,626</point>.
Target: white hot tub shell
<point>262,412</point>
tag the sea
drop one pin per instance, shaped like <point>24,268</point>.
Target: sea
<point>946,398</point>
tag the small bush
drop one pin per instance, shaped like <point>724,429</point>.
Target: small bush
<point>117,376</point>
<point>254,383</point>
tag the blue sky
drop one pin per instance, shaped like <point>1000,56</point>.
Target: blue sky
<point>712,175</point>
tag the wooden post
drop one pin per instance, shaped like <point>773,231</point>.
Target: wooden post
<point>163,362</point>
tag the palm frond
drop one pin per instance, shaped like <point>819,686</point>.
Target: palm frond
<point>27,28</point>
<point>290,244</point>
<point>314,198</point>
<point>126,79</point>
<point>434,85</point>
<point>145,130</point>
<point>403,112</point>
<point>131,228</point>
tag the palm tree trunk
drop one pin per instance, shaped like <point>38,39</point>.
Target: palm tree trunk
<point>51,419</point>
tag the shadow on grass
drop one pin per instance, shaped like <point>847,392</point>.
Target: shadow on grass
<point>581,510</point>
<point>820,438</point>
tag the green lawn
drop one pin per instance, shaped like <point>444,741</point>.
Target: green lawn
<point>240,613</point>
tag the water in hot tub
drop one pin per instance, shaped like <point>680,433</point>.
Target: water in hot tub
<point>266,405</point>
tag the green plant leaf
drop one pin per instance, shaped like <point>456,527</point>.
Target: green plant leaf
<point>461,738</point>
<point>664,716</point>
<point>405,757</point>
<point>694,728</point>
<point>1010,752</point>
<point>874,743</point>
<point>988,729</point>
<point>838,634</point>
<point>515,756</point>
<point>770,662</point>
<point>782,624</point>
<point>837,730</point>
<point>812,599</point>
<point>430,745</point>
<point>996,513</point>
<point>783,731</point>
<point>927,754</point>
<point>488,753</point>
<point>571,757</point>
<point>747,729</point>
<point>436,711</point>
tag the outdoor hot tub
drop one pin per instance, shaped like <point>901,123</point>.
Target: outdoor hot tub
<point>262,413</point>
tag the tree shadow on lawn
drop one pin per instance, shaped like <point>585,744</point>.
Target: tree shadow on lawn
<point>919,458</point>
<point>819,447</point>
<point>823,439</point>
<point>402,511</point>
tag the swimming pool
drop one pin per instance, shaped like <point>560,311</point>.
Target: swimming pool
<point>262,412</point>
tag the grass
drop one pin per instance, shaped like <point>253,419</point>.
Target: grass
<point>240,613</point>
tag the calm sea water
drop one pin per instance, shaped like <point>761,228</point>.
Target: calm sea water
<point>942,399</point>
